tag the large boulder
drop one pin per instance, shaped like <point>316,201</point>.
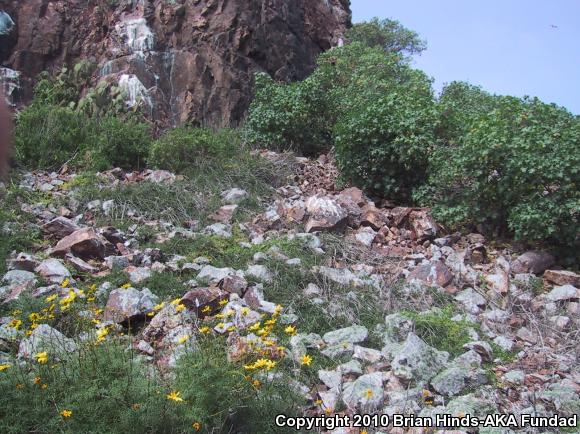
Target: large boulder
<point>435,273</point>
<point>535,262</point>
<point>415,360</point>
<point>562,277</point>
<point>60,227</point>
<point>129,304</point>
<point>44,338</point>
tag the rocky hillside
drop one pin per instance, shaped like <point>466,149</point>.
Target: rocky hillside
<point>186,60</point>
<point>354,306</point>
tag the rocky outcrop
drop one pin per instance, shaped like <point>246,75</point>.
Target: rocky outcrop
<point>185,60</point>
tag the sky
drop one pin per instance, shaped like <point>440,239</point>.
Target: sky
<point>509,47</point>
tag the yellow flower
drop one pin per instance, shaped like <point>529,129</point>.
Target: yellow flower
<point>66,413</point>
<point>126,286</point>
<point>65,283</point>
<point>91,299</point>
<point>51,298</point>
<point>20,386</point>
<point>196,426</point>
<point>15,324</point>
<point>219,316</point>
<point>306,360</point>
<point>34,317</point>
<point>183,339</point>
<point>231,328</point>
<point>256,384</point>
<point>206,309</point>
<point>245,311</point>
<point>270,322</point>
<point>102,333</point>
<point>180,308</point>
<point>223,302</point>
<point>278,310</point>
<point>230,312</point>
<point>44,386</point>
<point>369,394</point>
<point>176,301</point>
<point>136,407</point>
<point>5,366</point>
<point>204,330</point>
<point>318,402</point>
<point>328,410</point>
<point>16,312</point>
<point>174,396</point>
<point>159,306</point>
<point>220,325</point>
<point>255,327</point>
<point>37,380</point>
<point>42,358</point>
<point>290,330</point>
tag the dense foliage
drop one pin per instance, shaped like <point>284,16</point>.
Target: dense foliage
<point>387,34</point>
<point>515,169</point>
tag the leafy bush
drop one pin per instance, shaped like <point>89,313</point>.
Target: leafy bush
<point>387,34</point>
<point>188,149</point>
<point>290,116</point>
<point>384,137</point>
<point>515,170</point>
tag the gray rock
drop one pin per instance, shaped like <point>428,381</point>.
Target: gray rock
<point>451,381</point>
<point>534,262</point>
<point>234,195</point>
<point>53,271</point>
<point>338,350</point>
<point>504,343</point>
<point>301,343</point>
<point>45,338</point>
<point>365,392</point>
<point>514,377</point>
<point>563,293</point>
<point>128,304</point>
<point>116,262</point>
<point>331,379</point>
<point>415,360</point>
<point>19,277</point>
<point>397,327</point>
<point>353,335</point>
<point>212,274</point>
<point>312,290</point>
<point>472,301</point>
<point>138,274</point>
<point>219,229</point>
<point>365,236</point>
<point>369,355</point>
<point>259,272</point>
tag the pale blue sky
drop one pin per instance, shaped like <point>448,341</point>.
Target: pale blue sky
<point>506,46</point>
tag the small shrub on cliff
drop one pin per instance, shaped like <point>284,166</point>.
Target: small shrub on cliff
<point>515,170</point>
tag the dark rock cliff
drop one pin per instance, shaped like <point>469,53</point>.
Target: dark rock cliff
<point>187,60</point>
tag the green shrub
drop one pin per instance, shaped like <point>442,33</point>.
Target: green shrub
<point>119,143</point>
<point>290,116</point>
<point>188,149</point>
<point>387,34</point>
<point>515,170</point>
<point>47,136</point>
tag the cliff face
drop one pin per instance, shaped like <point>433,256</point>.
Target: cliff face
<point>187,60</point>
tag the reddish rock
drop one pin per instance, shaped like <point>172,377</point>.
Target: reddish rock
<point>373,217</point>
<point>535,262</point>
<point>199,299</point>
<point>353,194</point>
<point>424,225</point>
<point>435,273</point>
<point>234,284</point>
<point>79,264</point>
<point>562,277</point>
<point>60,227</point>
<point>399,215</point>
<point>225,214</point>
<point>84,243</point>
<point>193,59</point>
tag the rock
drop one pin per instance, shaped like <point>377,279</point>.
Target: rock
<point>126,305</point>
<point>20,277</point>
<point>312,290</point>
<point>562,277</point>
<point>60,227</point>
<point>24,262</point>
<point>331,379</point>
<point>504,343</point>
<point>366,236</point>
<point>234,284</point>
<point>225,214</point>
<point>353,194</point>
<point>365,392</point>
<point>301,343</point>
<point>535,262</point>
<point>84,243</point>
<point>255,299</point>
<point>526,335</point>
<point>353,335</point>
<point>234,196</point>
<point>259,272</point>
<point>138,274</point>
<point>424,225</point>
<point>561,322</point>
<point>212,274</point>
<point>53,271</point>
<point>80,265</point>
<point>482,348</point>
<point>45,338</point>
<point>471,300</point>
<point>563,293</point>
<point>116,262</point>
<point>160,177</point>
<point>434,273</point>
<point>397,328</point>
<point>219,229</point>
<point>372,217</point>
<point>415,360</point>
<point>514,377</point>
<point>451,381</point>
<point>198,299</point>
<point>325,213</point>
<point>368,355</point>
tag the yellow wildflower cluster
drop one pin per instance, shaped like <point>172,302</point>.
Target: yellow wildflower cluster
<point>261,364</point>
<point>102,334</point>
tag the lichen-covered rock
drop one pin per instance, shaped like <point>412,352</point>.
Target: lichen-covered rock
<point>417,361</point>
<point>129,304</point>
<point>352,335</point>
<point>365,392</point>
